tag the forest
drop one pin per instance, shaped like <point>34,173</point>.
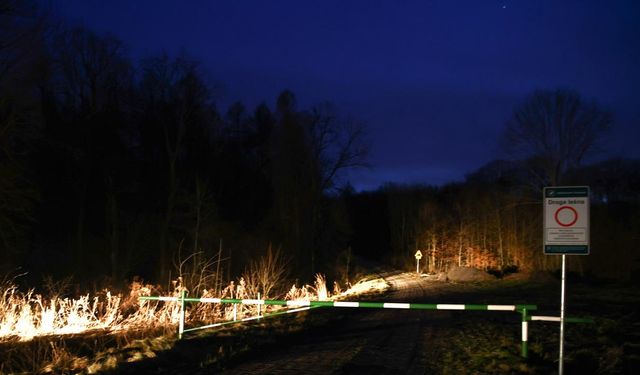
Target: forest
<point>112,169</point>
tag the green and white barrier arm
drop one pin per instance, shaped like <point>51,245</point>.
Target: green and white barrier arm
<point>375,305</point>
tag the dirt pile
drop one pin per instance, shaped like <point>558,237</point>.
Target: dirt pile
<point>467,274</point>
<point>533,276</point>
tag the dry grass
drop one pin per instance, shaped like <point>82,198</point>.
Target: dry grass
<point>266,275</point>
<point>55,333</point>
<point>24,316</point>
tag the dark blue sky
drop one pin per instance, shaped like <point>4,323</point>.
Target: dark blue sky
<point>434,81</point>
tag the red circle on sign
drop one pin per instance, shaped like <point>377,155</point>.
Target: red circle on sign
<point>575,216</point>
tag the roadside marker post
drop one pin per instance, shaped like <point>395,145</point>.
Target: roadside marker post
<point>418,256</point>
<point>565,231</point>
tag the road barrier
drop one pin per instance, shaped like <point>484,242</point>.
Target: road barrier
<point>567,319</point>
<point>301,305</point>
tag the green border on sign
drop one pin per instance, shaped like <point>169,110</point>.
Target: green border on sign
<point>566,249</point>
<point>566,192</point>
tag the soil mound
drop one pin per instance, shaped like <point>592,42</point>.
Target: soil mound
<point>533,276</point>
<point>468,274</point>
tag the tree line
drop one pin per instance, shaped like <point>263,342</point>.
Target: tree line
<point>493,221</point>
<point>115,168</point>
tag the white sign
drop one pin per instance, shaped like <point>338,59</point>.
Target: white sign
<point>418,255</point>
<point>566,220</point>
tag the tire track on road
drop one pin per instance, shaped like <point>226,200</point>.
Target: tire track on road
<point>368,342</point>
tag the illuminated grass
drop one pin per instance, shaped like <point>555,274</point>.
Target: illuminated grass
<point>95,333</point>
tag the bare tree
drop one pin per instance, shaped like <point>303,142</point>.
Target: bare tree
<point>336,144</point>
<point>93,78</point>
<point>177,107</point>
<point>267,274</point>
<point>555,131</point>
<point>22,25</point>
<point>310,149</point>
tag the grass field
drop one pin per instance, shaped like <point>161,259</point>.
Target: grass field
<point>464,342</point>
<point>478,344</point>
<point>461,343</point>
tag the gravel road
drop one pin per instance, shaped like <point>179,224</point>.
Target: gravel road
<point>367,341</point>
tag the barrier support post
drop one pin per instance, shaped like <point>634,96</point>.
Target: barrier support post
<point>259,307</point>
<point>235,312</point>
<point>524,352</point>
<point>183,295</point>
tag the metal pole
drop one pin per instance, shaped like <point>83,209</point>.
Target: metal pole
<point>561,359</point>
<point>417,266</point>
<point>524,352</point>
<point>181,323</point>
<point>259,306</point>
<point>235,311</point>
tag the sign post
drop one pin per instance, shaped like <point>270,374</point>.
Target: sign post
<point>565,231</point>
<point>418,256</point>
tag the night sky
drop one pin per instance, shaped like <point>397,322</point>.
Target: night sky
<point>434,81</point>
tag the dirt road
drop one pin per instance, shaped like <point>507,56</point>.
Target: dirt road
<point>364,342</point>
